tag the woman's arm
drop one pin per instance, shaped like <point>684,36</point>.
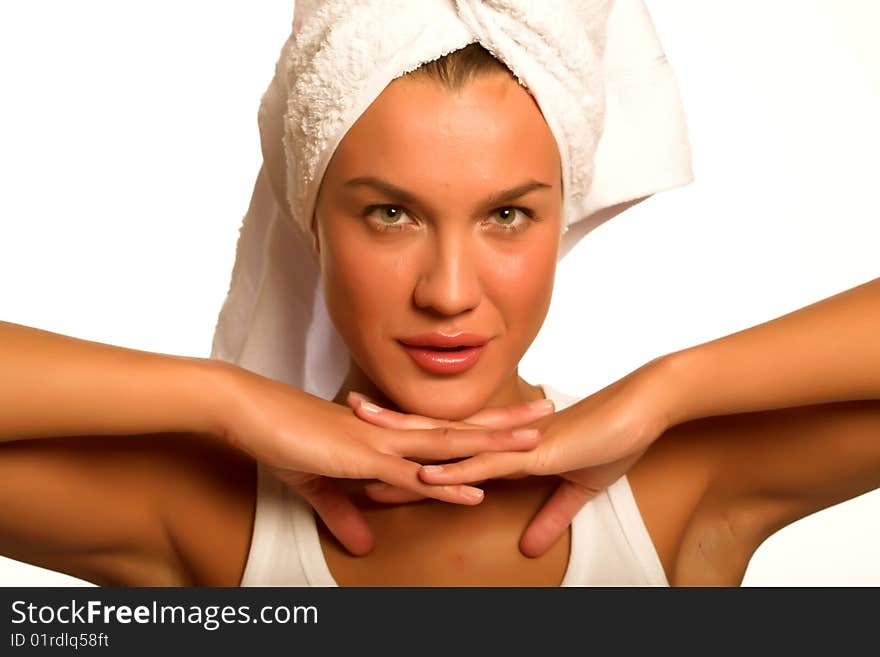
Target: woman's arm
<point>825,352</point>
<point>54,385</point>
<point>122,511</point>
<point>792,408</point>
<point>124,435</point>
<point>713,489</point>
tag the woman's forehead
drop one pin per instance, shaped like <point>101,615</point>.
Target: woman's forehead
<point>491,127</point>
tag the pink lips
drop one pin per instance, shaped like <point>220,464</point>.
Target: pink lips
<point>427,350</point>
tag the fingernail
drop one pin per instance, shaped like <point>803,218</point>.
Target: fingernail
<point>525,434</point>
<point>541,405</point>
<point>472,493</point>
<point>370,408</point>
<point>432,469</point>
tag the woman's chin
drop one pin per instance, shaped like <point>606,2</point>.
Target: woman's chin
<point>449,407</point>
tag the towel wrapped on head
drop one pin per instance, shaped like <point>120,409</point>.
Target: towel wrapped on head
<point>595,68</point>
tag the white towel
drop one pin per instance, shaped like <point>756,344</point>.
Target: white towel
<point>595,67</point>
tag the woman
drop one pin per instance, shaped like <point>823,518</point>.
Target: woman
<point>168,542</point>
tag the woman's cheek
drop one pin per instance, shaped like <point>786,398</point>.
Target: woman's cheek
<point>364,299</point>
<point>523,287</point>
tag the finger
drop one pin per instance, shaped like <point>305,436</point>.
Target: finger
<point>382,492</point>
<point>490,465</point>
<point>339,514</point>
<point>509,417</point>
<point>495,418</point>
<point>553,519</point>
<point>353,399</point>
<point>384,417</point>
<point>448,443</point>
<point>405,474</point>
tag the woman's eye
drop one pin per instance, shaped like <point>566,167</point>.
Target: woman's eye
<point>387,217</point>
<point>510,221</point>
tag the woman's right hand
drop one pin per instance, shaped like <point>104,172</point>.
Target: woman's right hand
<point>306,441</point>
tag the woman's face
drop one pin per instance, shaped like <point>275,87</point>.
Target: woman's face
<point>445,253</point>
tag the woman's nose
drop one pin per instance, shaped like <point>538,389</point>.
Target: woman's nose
<point>449,283</point>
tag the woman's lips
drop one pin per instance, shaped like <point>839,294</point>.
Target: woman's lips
<point>438,361</point>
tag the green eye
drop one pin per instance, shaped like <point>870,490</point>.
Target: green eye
<point>388,218</point>
<point>510,216</point>
<point>506,218</point>
<point>509,223</point>
<point>389,209</point>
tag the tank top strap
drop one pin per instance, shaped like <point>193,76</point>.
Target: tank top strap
<point>610,543</point>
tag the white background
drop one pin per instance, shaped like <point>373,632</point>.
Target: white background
<point>129,148</point>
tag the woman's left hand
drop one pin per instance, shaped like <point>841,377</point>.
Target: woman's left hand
<point>590,445</point>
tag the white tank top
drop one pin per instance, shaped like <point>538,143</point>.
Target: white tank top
<point>610,545</point>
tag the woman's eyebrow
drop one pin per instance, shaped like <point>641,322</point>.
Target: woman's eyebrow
<point>502,196</point>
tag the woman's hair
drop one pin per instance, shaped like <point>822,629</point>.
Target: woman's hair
<point>458,67</point>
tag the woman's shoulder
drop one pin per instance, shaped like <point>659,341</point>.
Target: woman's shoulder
<point>167,503</point>
<point>208,508</point>
<point>672,486</point>
<point>677,487</point>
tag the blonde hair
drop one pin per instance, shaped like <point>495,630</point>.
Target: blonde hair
<point>453,70</point>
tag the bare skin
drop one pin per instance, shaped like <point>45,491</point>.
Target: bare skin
<point>194,528</point>
<point>183,504</point>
